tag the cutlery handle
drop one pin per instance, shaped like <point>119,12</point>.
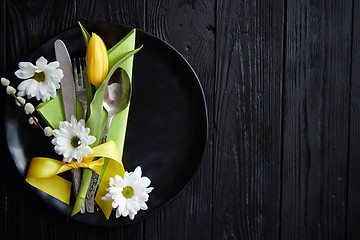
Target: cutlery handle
<point>90,195</point>
<point>106,129</point>
<point>76,179</point>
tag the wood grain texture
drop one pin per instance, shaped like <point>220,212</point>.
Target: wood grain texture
<point>127,12</point>
<point>316,117</point>
<point>187,26</point>
<point>353,208</point>
<point>247,117</point>
<point>3,170</point>
<point>282,85</point>
<point>41,21</point>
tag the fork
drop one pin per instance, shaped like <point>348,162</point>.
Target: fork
<point>80,90</point>
<point>80,83</point>
<point>80,79</point>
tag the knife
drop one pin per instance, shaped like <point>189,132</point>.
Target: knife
<point>67,83</point>
<point>68,97</point>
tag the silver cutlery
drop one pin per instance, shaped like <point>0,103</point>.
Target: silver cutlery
<point>68,98</point>
<point>80,84</point>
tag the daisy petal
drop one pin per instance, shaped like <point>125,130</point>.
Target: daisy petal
<point>54,64</point>
<point>41,63</point>
<point>26,66</point>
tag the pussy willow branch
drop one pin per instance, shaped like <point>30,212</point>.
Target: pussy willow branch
<point>31,115</point>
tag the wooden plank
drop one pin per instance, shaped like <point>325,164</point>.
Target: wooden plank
<point>33,23</point>
<point>353,209</point>
<point>247,118</point>
<point>189,27</point>
<point>5,167</point>
<point>127,12</point>
<point>316,117</point>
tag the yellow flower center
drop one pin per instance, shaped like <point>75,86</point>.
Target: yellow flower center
<point>40,76</point>
<point>128,192</point>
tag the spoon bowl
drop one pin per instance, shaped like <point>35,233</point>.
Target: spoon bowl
<point>116,97</point>
<point>118,92</point>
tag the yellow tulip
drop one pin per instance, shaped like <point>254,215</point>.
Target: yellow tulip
<point>97,60</point>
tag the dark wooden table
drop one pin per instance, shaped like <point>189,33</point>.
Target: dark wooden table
<point>282,84</point>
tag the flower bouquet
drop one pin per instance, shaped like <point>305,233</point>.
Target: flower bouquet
<point>92,138</point>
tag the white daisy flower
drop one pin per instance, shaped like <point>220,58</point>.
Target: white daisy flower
<point>72,140</point>
<point>41,81</point>
<point>129,194</point>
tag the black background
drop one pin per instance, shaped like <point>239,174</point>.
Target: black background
<point>281,80</point>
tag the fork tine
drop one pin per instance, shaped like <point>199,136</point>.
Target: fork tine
<point>81,82</point>
<point>84,73</point>
<point>81,73</point>
<point>75,72</point>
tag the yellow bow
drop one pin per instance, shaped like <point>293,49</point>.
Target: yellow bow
<point>43,174</point>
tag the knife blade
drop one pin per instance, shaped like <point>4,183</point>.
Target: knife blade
<point>67,83</point>
<point>68,98</point>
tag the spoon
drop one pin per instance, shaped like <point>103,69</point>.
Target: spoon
<point>116,98</point>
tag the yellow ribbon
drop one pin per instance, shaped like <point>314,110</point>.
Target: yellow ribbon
<point>43,174</point>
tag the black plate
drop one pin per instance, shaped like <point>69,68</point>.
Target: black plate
<point>167,126</point>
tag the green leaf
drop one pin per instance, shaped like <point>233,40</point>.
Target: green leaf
<point>85,34</point>
<point>89,97</point>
